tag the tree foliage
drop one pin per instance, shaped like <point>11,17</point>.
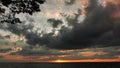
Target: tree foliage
<point>16,7</point>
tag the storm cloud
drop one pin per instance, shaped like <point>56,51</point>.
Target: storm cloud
<point>5,50</point>
<point>98,28</point>
<point>97,23</point>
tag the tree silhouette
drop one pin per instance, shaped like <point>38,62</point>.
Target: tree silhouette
<point>16,7</point>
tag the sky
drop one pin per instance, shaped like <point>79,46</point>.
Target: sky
<point>64,31</point>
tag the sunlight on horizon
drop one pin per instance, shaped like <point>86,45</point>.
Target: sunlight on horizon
<point>60,61</point>
<point>90,60</point>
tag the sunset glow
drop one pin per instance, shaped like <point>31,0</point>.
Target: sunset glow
<point>60,61</point>
<point>91,60</point>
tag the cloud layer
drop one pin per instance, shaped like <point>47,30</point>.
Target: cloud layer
<point>64,31</point>
<point>98,28</point>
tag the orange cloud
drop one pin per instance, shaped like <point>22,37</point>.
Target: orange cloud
<point>116,2</point>
<point>44,57</point>
<point>83,13</point>
<point>63,56</point>
<point>91,53</point>
<point>83,1</point>
<point>104,3</point>
<point>84,6</point>
<point>116,10</point>
<point>12,58</point>
<point>89,60</point>
<point>18,58</point>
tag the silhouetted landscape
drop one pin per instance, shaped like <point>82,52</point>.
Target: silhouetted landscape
<point>59,65</point>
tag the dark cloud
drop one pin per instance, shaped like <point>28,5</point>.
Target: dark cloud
<point>54,22</point>
<point>38,51</point>
<point>5,50</point>
<point>81,54</point>
<point>70,2</point>
<point>98,28</point>
<point>85,34</point>
<point>1,56</point>
<point>111,53</point>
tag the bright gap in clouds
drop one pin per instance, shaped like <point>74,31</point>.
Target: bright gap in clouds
<point>51,9</point>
